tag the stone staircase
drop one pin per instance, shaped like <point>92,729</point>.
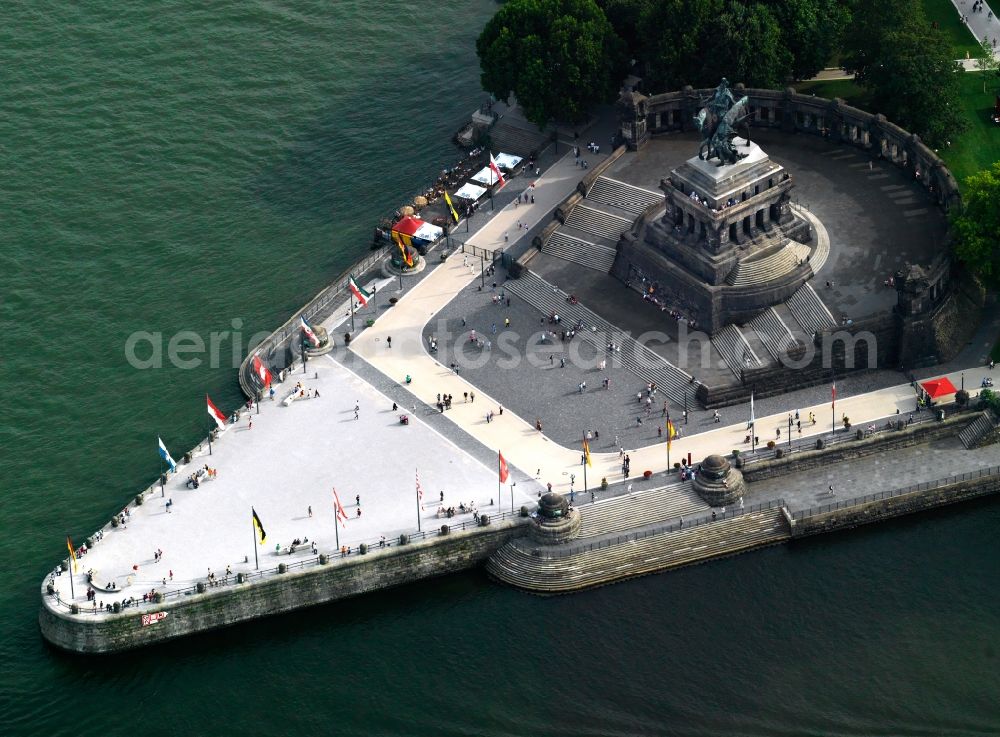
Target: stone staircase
<point>623,513</point>
<point>597,222</point>
<point>978,432</point>
<point>624,196</point>
<point>772,331</point>
<point>732,346</point>
<point>635,358</point>
<point>773,266</point>
<point>592,255</point>
<point>809,311</point>
<point>521,563</point>
<point>512,139</point>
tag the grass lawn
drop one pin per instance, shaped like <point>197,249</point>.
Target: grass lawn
<point>830,88</point>
<point>979,146</point>
<point>975,149</point>
<point>951,26</point>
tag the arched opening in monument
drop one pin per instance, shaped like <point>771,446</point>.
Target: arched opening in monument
<point>732,232</point>
<point>746,225</point>
<point>760,219</point>
<point>774,212</point>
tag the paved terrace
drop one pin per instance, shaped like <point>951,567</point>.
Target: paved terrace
<point>293,455</point>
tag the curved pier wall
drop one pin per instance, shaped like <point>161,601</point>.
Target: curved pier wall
<point>338,579</point>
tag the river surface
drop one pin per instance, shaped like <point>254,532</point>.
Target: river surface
<point>170,167</point>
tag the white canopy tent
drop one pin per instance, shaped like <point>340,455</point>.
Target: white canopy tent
<point>507,162</point>
<point>470,191</point>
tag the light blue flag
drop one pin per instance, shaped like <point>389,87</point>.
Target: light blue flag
<point>165,455</point>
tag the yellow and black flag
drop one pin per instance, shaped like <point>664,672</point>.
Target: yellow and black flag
<point>258,526</point>
<point>451,207</point>
<point>586,453</point>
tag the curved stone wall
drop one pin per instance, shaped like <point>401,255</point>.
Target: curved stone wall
<point>834,119</point>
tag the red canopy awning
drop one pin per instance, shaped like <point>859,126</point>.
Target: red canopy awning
<point>939,387</point>
<point>408,225</point>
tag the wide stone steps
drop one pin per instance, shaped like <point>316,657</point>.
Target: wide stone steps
<point>734,349</point>
<point>635,358</point>
<point>598,222</point>
<point>622,513</point>
<point>773,333</point>
<point>512,139</point>
<point>809,310</point>
<point>760,271</point>
<point>624,196</point>
<point>973,433</point>
<point>518,564</point>
<point>592,255</point>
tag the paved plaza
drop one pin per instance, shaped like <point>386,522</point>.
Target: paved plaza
<point>288,461</point>
<point>294,454</point>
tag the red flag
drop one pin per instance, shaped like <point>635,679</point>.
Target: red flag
<point>420,491</point>
<point>216,414</point>
<point>504,472</point>
<point>496,170</point>
<point>262,371</point>
<point>339,509</point>
<point>833,393</point>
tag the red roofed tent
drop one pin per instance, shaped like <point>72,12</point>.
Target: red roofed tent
<point>415,232</point>
<point>939,387</point>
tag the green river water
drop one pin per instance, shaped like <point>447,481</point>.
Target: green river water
<point>176,166</point>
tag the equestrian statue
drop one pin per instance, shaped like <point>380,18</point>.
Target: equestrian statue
<point>721,118</point>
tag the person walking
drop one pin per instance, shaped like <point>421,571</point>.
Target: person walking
<point>357,409</point>
<point>388,340</point>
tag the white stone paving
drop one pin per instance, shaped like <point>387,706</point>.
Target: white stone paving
<point>291,459</point>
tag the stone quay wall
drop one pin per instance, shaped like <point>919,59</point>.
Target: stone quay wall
<point>284,592</point>
<point>882,442</point>
<point>924,497</point>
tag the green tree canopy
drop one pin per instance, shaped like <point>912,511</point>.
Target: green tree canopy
<point>559,57</point>
<point>977,228</point>
<point>909,68</point>
<point>811,31</point>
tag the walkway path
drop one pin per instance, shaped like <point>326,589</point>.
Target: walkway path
<point>534,453</point>
<point>982,25</point>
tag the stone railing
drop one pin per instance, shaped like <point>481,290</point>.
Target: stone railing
<point>833,119</point>
<point>316,310</point>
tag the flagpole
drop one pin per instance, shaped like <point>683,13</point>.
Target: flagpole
<point>352,312</point>
<point>72,592</point>
<point>499,474</point>
<point>256,562</point>
<point>833,406</point>
<point>417,494</point>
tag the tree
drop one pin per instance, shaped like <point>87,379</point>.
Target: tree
<point>744,44</point>
<point>811,30</point>
<point>559,57</point>
<point>986,62</point>
<point>908,67</point>
<point>625,16</point>
<point>976,229</point>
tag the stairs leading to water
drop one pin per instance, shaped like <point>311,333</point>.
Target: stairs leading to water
<point>505,137</point>
<point>624,196</point>
<point>973,434</point>
<point>635,358</point>
<point>623,513</point>
<point>523,563</point>
<point>592,255</point>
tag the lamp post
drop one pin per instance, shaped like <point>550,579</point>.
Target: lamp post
<point>789,432</point>
<point>304,356</point>
<point>963,381</point>
<point>482,271</point>
<point>685,405</point>
<point>512,485</point>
